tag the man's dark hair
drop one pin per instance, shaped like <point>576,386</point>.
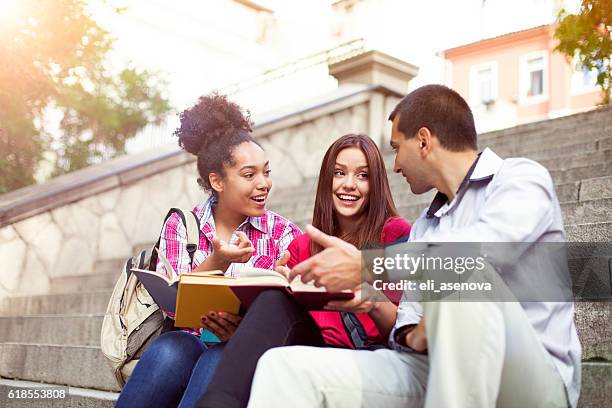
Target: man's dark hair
<point>441,110</point>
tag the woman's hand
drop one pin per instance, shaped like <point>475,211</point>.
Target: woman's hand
<point>221,324</point>
<point>228,254</point>
<point>363,302</point>
<point>281,265</point>
<point>224,254</point>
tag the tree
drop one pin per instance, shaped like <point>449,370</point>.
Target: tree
<point>588,36</point>
<point>53,62</point>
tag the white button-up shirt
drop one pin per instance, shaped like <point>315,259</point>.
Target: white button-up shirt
<point>506,200</point>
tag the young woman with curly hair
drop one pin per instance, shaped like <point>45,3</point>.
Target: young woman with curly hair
<point>236,231</point>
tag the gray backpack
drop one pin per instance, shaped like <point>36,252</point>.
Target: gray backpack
<point>133,319</point>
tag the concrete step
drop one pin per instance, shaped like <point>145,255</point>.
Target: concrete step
<point>589,211</point>
<point>594,188</point>
<point>286,193</point>
<point>77,366</point>
<point>593,319</point>
<point>299,207</point>
<point>594,324</point>
<point>568,191</point>
<point>590,232</point>
<point>84,283</point>
<point>587,189</point>
<point>581,173</point>
<point>103,276</point>
<point>75,397</point>
<point>75,330</point>
<point>537,140</point>
<point>589,123</point>
<point>69,303</point>
<point>111,266</point>
<point>596,390</point>
<point>577,160</point>
<point>553,151</point>
<point>547,147</point>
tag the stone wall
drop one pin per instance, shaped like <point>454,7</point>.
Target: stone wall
<point>74,238</point>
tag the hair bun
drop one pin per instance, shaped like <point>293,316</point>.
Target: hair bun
<point>209,120</point>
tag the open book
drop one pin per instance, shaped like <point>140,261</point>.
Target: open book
<point>193,295</point>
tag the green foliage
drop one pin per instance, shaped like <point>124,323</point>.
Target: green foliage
<point>53,62</point>
<point>588,36</point>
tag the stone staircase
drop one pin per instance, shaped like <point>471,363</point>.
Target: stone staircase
<point>54,338</point>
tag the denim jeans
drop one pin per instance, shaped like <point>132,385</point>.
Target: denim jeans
<point>173,371</point>
<point>273,320</point>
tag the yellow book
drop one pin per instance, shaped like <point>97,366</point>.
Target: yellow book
<point>193,295</point>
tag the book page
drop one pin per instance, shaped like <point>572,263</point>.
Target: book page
<point>298,286</point>
<point>272,280</point>
<point>208,273</point>
<point>259,272</point>
<point>141,272</point>
<point>161,289</point>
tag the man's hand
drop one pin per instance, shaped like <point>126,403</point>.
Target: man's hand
<point>363,302</point>
<point>416,339</point>
<point>337,267</point>
<point>281,265</point>
<point>221,324</point>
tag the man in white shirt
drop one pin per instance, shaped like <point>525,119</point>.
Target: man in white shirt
<point>445,354</point>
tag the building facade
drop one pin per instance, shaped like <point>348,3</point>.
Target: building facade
<point>518,77</point>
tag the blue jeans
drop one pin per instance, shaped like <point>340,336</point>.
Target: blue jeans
<point>173,371</point>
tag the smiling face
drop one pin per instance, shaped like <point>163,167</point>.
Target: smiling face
<point>350,184</point>
<point>410,153</point>
<point>246,184</point>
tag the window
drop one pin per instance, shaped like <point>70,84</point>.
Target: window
<point>483,84</point>
<point>583,79</point>
<point>533,78</point>
<point>535,67</point>
<point>589,78</point>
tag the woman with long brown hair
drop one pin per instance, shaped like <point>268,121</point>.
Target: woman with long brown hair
<point>352,172</point>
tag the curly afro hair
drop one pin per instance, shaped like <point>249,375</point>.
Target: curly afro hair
<point>210,130</point>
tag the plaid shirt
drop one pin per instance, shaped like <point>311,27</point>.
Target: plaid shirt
<point>270,234</point>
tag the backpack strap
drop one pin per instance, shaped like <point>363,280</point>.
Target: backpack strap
<point>355,330</point>
<point>192,228</point>
<point>192,225</point>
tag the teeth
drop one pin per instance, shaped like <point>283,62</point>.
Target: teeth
<point>347,197</point>
<point>259,199</point>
